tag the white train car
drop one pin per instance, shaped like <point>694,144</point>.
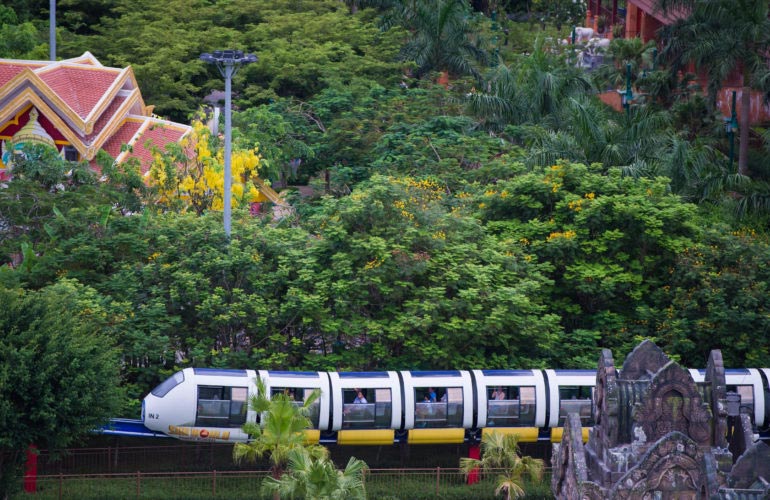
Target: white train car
<point>380,408</point>
<point>438,406</point>
<point>374,416</point>
<point>298,386</point>
<point>511,402</point>
<point>570,391</point>
<point>202,404</point>
<point>748,384</point>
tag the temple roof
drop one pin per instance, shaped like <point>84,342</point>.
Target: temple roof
<point>90,106</point>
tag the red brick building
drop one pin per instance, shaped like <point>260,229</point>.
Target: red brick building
<point>643,19</point>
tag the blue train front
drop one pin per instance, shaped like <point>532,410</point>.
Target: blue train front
<point>381,408</point>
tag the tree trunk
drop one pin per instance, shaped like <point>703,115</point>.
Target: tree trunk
<point>745,121</point>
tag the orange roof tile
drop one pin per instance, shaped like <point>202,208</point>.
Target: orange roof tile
<point>81,88</point>
<point>123,136</point>
<point>74,88</point>
<point>8,71</point>
<point>106,117</point>
<point>157,135</point>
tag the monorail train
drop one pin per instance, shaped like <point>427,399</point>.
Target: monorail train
<point>403,406</point>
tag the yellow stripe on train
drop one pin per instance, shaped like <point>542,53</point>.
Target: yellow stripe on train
<point>436,436</point>
<point>366,436</point>
<point>525,434</point>
<point>312,436</point>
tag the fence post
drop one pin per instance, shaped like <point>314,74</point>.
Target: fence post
<point>138,484</point>
<point>214,483</point>
<point>61,484</point>
<point>438,476</point>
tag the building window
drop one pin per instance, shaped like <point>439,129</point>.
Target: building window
<point>70,153</point>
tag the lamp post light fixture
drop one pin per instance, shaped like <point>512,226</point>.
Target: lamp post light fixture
<point>731,126</point>
<point>626,96</point>
<point>228,62</point>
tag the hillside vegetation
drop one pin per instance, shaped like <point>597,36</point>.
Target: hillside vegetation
<point>507,218</point>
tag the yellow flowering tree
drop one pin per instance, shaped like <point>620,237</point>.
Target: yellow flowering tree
<point>189,176</point>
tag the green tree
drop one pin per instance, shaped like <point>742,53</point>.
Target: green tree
<point>301,48</point>
<point>717,298</point>
<point>608,240</point>
<point>59,371</point>
<point>280,431</point>
<point>500,454</point>
<point>559,12</point>
<point>722,37</point>
<point>532,89</point>
<point>441,37</point>
<point>413,280</point>
<point>44,187</point>
<point>317,478</point>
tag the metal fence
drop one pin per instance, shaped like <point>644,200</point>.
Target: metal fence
<point>393,484</point>
<point>129,459</point>
<point>122,456</point>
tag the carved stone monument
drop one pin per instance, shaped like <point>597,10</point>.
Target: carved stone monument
<point>659,435</point>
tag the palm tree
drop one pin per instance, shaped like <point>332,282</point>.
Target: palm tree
<point>280,431</point>
<point>623,51</point>
<point>500,452</point>
<point>441,36</point>
<point>316,478</point>
<point>721,36</point>
<point>531,90</point>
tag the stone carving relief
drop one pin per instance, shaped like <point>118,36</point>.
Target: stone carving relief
<point>606,400</point>
<point>656,438</point>
<point>715,376</point>
<point>669,469</point>
<point>673,404</point>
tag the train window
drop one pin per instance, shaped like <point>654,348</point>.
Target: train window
<point>221,406</point>
<point>238,405</point>
<point>168,384</point>
<point>366,409</point>
<point>441,407</point>
<point>220,372</point>
<point>510,406</point>
<point>298,396</point>
<point>576,399</point>
<point>746,392</point>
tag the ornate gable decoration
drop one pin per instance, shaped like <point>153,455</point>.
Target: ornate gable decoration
<point>673,404</point>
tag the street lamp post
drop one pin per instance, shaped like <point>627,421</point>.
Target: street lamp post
<point>731,125</point>
<point>52,29</point>
<point>626,96</point>
<point>228,62</point>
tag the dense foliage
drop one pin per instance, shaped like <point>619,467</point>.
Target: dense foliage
<point>59,374</point>
<point>507,218</point>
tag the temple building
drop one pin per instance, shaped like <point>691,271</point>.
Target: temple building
<point>79,107</point>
